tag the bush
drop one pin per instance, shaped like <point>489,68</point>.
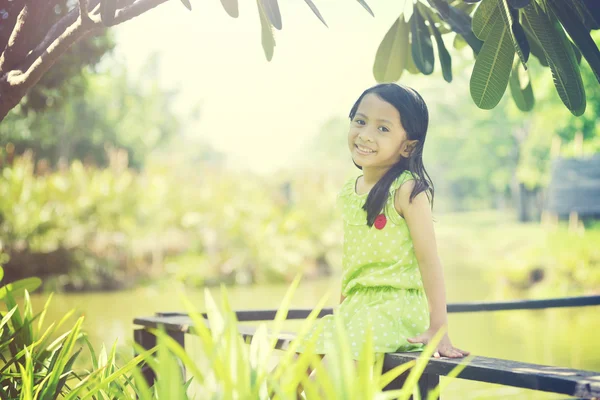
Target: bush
<point>85,228</point>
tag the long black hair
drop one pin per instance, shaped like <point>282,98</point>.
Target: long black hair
<point>414,118</point>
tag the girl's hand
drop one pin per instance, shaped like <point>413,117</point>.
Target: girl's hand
<point>444,347</point>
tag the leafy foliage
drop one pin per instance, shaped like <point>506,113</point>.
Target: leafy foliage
<point>92,228</point>
<point>506,27</point>
<point>108,109</point>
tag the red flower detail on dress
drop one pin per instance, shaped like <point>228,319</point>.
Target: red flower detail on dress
<point>380,221</point>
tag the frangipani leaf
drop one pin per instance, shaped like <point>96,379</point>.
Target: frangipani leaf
<point>421,46</point>
<point>511,20</point>
<point>560,57</point>
<point>459,21</point>
<point>187,4</point>
<point>486,13</point>
<point>492,67</point>
<point>366,7</point>
<point>518,3</point>
<point>443,55</point>
<point>392,53</point>
<point>534,44</point>
<point>580,35</point>
<point>316,11</point>
<point>271,9</point>
<point>231,7</point>
<point>520,87</point>
<point>266,32</point>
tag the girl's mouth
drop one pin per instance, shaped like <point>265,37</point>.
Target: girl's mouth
<point>364,150</point>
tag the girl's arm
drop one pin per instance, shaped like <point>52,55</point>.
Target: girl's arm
<point>420,224</point>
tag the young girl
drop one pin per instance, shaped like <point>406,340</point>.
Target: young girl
<point>392,275</point>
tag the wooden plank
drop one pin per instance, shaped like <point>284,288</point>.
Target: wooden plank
<point>568,381</point>
<point>183,324</point>
<point>303,313</point>
<point>572,382</point>
<point>147,341</point>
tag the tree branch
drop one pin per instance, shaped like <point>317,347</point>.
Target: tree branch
<point>136,9</point>
<point>70,28</point>
<point>83,10</point>
<point>13,9</point>
<point>25,34</point>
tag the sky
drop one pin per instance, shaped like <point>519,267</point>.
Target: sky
<point>260,114</point>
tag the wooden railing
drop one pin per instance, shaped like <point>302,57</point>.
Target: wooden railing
<point>572,382</point>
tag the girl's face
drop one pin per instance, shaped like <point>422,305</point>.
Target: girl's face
<point>376,138</point>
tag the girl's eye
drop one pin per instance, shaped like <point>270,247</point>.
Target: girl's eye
<point>384,129</point>
<point>360,121</point>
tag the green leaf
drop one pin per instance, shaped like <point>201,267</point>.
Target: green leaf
<point>66,372</point>
<point>316,11</point>
<point>231,7</point>
<point>593,11</point>
<point>589,20</point>
<point>492,67</point>
<point>459,42</point>
<point>17,288</point>
<point>271,9</point>
<point>187,4</point>
<point>421,46</point>
<point>520,87</point>
<point>267,37</point>
<point>511,20</point>
<point>579,34</point>
<point>518,3</point>
<point>459,21</point>
<point>392,53</point>
<point>410,66</point>
<point>61,360</point>
<point>560,57</point>
<point>534,45</point>
<point>1,273</point>
<point>366,7</point>
<point>443,55</point>
<point>485,14</point>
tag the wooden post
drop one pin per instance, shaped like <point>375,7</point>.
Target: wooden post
<point>147,341</point>
<point>427,382</point>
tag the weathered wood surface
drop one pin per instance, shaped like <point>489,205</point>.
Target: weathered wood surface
<point>302,313</point>
<point>583,384</point>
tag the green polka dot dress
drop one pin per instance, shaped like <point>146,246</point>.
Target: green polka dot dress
<point>381,280</point>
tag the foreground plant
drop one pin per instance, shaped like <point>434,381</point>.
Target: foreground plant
<point>37,367</point>
<point>230,368</point>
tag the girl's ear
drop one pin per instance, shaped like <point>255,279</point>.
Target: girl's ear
<point>408,147</point>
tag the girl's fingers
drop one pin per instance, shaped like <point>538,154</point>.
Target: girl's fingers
<point>436,354</point>
<point>418,339</point>
<point>452,352</point>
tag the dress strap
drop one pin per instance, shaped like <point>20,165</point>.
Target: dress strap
<point>404,176</point>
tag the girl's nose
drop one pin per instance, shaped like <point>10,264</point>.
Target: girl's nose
<point>364,137</point>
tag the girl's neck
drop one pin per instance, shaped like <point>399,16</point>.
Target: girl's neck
<point>372,175</point>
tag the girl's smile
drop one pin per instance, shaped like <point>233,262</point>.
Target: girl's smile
<point>364,150</point>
